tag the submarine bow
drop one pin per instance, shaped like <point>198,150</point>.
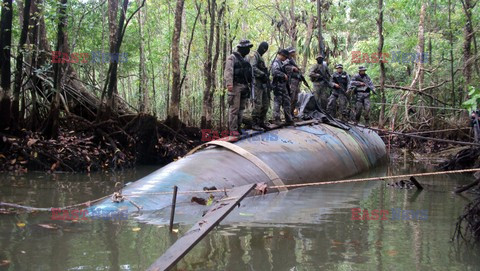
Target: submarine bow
<point>294,155</point>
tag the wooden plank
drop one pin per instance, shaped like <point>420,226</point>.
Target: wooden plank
<point>211,219</point>
<point>416,183</point>
<point>306,122</point>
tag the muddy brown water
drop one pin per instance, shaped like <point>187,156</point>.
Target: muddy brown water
<point>304,229</point>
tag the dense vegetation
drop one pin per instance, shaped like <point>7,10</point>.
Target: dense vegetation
<point>56,59</point>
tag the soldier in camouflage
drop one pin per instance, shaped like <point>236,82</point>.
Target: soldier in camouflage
<point>362,85</point>
<point>294,76</point>
<point>338,100</point>
<point>281,88</point>
<point>238,78</point>
<point>262,84</point>
<point>322,81</point>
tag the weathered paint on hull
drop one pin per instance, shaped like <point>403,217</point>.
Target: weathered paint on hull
<point>297,154</point>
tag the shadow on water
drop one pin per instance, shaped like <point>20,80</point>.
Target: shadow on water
<point>304,229</point>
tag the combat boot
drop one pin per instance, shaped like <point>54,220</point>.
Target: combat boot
<point>277,121</point>
<point>257,127</point>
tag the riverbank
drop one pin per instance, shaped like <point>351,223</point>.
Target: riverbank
<point>83,146</point>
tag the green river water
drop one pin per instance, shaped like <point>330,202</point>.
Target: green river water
<point>304,229</point>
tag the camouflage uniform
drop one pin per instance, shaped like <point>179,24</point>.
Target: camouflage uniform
<point>280,90</point>
<point>338,100</point>
<point>363,96</point>
<point>322,83</point>
<point>238,73</point>
<point>262,95</point>
<point>294,79</point>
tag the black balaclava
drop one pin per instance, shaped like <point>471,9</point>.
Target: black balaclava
<point>244,51</point>
<point>262,48</point>
<point>320,60</point>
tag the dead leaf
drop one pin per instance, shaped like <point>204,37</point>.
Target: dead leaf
<point>54,166</point>
<point>50,226</point>
<point>13,161</point>
<point>136,229</point>
<point>4,263</point>
<point>31,141</point>
<point>20,224</point>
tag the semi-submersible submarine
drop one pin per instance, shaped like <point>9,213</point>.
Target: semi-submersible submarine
<point>313,152</point>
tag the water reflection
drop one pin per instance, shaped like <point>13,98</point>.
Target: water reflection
<point>304,229</point>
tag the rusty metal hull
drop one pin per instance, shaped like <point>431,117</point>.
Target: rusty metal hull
<point>297,154</point>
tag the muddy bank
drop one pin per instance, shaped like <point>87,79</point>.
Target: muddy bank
<point>83,146</point>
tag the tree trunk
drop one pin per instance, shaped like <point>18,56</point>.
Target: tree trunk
<point>417,82</point>
<point>206,120</point>
<point>381,121</point>
<point>174,110</point>
<point>308,40</point>
<point>224,60</point>
<point>112,23</point>
<point>321,45</point>
<point>113,67</point>
<point>5,64</point>
<point>19,61</point>
<point>452,71</point>
<point>112,37</point>
<point>467,46</point>
<point>293,25</point>
<point>51,126</point>
<point>152,68</point>
<point>143,85</point>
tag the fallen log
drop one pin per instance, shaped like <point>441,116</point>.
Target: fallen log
<point>467,187</point>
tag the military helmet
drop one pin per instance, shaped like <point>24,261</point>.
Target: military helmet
<point>339,66</point>
<point>283,52</point>
<point>291,49</point>
<point>244,44</point>
<point>362,68</point>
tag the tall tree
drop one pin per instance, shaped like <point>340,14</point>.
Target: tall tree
<point>174,110</point>
<point>52,123</point>
<point>321,45</point>
<point>5,64</point>
<point>308,40</point>
<point>468,35</point>
<point>417,82</point>
<point>142,73</point>
<point>112,27</point>
<point>206,120</point>
<point>452,71</point>
<point>19,61</point>
<point>113,67</point>
<point>381,120</point>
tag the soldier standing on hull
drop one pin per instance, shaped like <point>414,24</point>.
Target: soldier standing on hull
<point>281,88</point>
<point>262,84</point>
<point>338,100</point>
<point>322,81</point>
<point>238,77</point>
<point>294,75</point>
<point>362,85</point>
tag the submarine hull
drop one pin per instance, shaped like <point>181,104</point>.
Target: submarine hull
<point>296,154</point>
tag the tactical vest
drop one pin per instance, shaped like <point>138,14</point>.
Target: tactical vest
<point>242,70</point>
<point>365,88</point>
<point>294,75</point>
<point>261,66</point>
<point>341,79</point>
<point>323,71</point>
